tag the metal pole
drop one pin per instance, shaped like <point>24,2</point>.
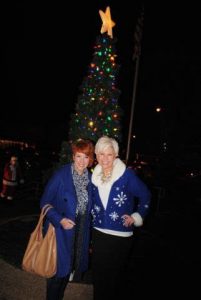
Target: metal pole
<point>132,107</point>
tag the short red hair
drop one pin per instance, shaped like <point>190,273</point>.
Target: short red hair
<point>84,146</point>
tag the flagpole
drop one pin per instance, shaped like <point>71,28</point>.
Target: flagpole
<point>136,58</point>
<point>132,107</point>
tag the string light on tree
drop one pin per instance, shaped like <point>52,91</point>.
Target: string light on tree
<point>97,111</point>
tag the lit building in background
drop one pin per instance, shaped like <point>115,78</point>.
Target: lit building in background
<point>15,144</point>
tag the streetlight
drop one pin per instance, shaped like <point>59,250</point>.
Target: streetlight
<point>158,109</point>
<point>163,145</point>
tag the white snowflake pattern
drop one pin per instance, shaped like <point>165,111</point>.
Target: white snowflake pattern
<point>120,200</point>
<point>93,214</point>
<point>114,216</point>
<point>117,188</point>
<point>97,208</point>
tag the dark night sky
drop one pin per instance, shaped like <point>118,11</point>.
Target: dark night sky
<point>41,47</point>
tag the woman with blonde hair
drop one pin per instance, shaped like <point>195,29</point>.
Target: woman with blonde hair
<point>120,203</point>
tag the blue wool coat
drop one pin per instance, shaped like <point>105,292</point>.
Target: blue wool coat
<point>60,193</point>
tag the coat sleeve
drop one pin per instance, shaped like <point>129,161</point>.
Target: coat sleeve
<point>49,196</point>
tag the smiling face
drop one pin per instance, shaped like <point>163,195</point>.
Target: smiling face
<point>106,158</point>
<point>81,162</point>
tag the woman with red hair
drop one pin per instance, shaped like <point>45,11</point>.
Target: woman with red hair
<point>69,193</point>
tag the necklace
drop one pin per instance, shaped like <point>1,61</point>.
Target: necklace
<point>106,177</point>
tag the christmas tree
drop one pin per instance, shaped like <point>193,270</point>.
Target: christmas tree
<point>97,111</point>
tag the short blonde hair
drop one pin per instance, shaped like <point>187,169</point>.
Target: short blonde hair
<point>105,142</point>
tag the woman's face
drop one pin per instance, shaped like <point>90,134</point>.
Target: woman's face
<point>81,161</point>
<point>106,158</point>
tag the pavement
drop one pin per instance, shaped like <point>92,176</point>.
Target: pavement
<point>16,223</point>
<point>19,285</point>
<point>165,260</point>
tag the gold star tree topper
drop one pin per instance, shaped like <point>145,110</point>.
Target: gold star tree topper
<point>107,22</point>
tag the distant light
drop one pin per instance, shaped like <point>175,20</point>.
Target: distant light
<point>158,109</point>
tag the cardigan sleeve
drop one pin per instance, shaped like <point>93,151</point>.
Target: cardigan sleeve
<point>139,189</point>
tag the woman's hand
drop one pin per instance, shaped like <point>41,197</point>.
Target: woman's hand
<point>67,223</point>
<point>127,220</point>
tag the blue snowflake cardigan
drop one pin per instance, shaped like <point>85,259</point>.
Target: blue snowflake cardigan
<point>128,195</point>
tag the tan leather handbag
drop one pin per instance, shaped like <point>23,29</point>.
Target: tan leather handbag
<point>41,253</point>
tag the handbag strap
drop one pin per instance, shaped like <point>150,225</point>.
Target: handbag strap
<point>44,211</point>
